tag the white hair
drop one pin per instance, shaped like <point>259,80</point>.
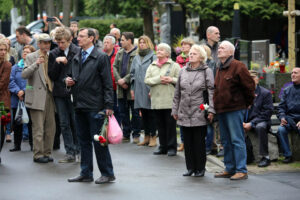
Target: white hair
<point>201,51</point>
<point>115,29</point>
<point>229,45</point>
<point>113,40</point>
<point>165,47</point>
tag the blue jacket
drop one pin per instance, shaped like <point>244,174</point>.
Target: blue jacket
<point>16,83</point>
<point>262,108</point>
<point>289,106</point>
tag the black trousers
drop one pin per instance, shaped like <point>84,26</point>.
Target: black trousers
<point>149,121</point>
<point>166,126</point>
<point>261,129</point>
<point>194,147</point>
<point>18,130</point>
<point>2,136</point>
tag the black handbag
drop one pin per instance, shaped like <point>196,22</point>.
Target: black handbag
<point>205,95</point>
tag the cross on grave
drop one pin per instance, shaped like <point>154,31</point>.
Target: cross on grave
<point>291,14</point>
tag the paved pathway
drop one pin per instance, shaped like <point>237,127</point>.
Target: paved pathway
<point>140,176</point>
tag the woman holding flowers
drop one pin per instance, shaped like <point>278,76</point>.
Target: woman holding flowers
<point>189,108</point>
<point>5,68</point>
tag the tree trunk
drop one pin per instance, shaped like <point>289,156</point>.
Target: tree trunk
<point>66,11</point>
<point>75,8</point>
<point>148,23</point>
<point>184,19</point>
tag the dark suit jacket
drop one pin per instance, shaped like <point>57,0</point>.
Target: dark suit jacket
<point>262,108</point>
<point>58,71</point>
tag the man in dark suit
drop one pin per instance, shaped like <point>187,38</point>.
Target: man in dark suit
<point>92,91</point>
<point>258,118</point>
<point>59,64</point>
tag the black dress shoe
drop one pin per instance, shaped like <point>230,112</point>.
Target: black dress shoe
<point>15,149</point>
<point>221,153</point>
<point>172,152</point>
<point>159,152</point>
<point>287,160</point>
<point>188,173</point>
<point>81,179</point>
<point>264,162</point>
<point>40,160</point>
<point>50,159</point>
<point>199,173</point>
<point>105,179</point>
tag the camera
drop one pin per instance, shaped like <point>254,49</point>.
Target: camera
<point>51,19</point>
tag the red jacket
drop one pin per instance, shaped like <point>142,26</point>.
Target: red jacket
<point>112,60</point>
<point>181,61</point>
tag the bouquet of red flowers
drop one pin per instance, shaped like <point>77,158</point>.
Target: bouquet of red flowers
<point>102,137</point>
<point>5,116</point>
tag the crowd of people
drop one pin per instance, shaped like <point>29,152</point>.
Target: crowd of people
<point>70,80</point>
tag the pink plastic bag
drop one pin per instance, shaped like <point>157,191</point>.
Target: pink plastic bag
<point>115,134</point>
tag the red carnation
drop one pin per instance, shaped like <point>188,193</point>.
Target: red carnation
<point>202,107</point>
<point>261,77</point>
<point>102,139</point>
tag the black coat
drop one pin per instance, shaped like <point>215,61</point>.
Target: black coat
<point>93,89</point>
<point>262,108</point>
<point>58,71</point>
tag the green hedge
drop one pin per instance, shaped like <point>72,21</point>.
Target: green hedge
<point>134,25</point>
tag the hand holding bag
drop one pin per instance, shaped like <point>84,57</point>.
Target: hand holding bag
<point>19,113</point>
<point>115,134</point>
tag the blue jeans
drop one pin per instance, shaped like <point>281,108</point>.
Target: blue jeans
<point>283,132</point>
<point>66,118</point>
<point>89,124</point>
<point>129,125</point>
<point>233,140</point>
<point>209,137</point>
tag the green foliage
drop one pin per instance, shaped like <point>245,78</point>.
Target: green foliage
<point>223,9</point>
<point>134,25</point>
<point>5,7</point>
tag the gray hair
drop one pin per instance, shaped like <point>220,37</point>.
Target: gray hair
<point>2,36</point>
<point>165,47</point>
<point>113,40</point>
<point>201,51</point>
<point>115,29</point>
<point>229,45</point>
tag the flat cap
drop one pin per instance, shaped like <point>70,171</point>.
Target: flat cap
<point>44,37</point>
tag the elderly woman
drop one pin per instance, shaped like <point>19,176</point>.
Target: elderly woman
<point>162,76</point>
<point>5,68</point>
<point>140,91</point>
<point>182,60</point>
<point>17,86</point>
<point>193,80</point>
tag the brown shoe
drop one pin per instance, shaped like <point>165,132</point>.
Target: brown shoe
<point>223,175</point>
<point>145,142</point>
<point>239,176</point>
<point>181,147</point>
<point>152,141</point>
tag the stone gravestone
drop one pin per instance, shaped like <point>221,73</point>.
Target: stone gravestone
<point>165,29</point>
<point>15,20</point>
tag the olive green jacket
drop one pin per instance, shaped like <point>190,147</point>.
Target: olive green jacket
<point>117,66</point>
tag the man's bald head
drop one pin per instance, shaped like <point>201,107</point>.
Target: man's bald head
<point>212,35</point>
<point>296,76</point>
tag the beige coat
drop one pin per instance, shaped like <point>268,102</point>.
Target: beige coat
<point>36,88</point>
<point>161,94</point>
